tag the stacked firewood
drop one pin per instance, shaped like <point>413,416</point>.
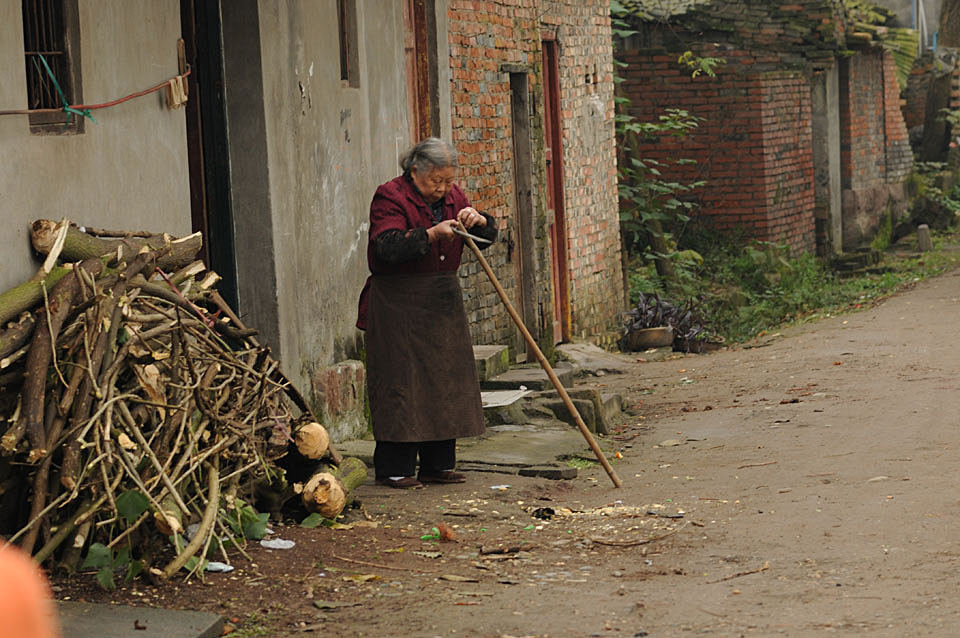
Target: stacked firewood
<point>135,405</point>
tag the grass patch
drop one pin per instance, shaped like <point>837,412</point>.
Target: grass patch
<point>580,463</point>
<point>748,288</point>
<point>252,626</point>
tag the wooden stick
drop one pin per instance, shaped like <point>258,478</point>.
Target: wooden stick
<point>288,387</point>
<point>206,523</point>
<point>643,541</point>
<point>545,365</point>
<point>762,568</point>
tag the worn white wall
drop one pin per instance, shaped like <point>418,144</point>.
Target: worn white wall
<point>329,146</point>
<point>128,170</point>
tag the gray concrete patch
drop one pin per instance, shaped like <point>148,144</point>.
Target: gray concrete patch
<point>87,620</point>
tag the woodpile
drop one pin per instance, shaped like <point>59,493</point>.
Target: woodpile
<point>134,405</point>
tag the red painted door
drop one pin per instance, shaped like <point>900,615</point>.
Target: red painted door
<point>557,227</point>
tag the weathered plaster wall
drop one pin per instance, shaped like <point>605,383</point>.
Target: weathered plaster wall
<point>329,147</point>
<point>126,171</point>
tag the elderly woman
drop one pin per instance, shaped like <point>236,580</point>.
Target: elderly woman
<point>421,375</point>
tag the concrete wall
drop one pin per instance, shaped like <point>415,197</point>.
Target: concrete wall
<point>328,147</point>
<point>126,171</point>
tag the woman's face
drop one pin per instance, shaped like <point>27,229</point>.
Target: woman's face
<point>433,184</point>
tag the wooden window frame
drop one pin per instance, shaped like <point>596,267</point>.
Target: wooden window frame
<point>63,32</point>
<point>349,43</point>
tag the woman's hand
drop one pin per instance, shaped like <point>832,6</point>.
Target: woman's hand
<point>442,231</point>
<point>469,217</point>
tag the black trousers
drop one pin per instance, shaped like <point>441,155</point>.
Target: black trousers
<point>400,459</point>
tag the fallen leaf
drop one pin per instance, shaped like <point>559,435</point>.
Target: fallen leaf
<point>361,578</point>
<point>346,526</point>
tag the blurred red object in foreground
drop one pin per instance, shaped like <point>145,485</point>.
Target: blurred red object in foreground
<point>27,609</point>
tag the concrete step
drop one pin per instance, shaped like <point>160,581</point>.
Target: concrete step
<point>491,361</point>
<point>532,378</point>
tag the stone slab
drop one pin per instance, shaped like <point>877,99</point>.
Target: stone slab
<point>503,448</point>
<point>551,473</point>
<point>530,378</point>
<point>491,360</point>
<point>87,620</point>
<point>523,445</point>
<point>591,359</point>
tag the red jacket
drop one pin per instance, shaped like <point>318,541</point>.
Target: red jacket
<point>398,205</point>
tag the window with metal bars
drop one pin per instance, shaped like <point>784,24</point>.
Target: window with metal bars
<point>52,57</point>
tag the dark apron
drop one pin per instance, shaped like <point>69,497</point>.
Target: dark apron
<point>421,375</point>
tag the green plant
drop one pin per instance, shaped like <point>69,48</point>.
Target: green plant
<point>748,288</point>
<point>654,205</point>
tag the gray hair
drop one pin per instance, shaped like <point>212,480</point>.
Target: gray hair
<point>429,154</point>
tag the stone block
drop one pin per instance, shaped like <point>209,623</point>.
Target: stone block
<point>550,472</point>
<point>585,407</point>
<point>82,620</point>
<point>600,413</point>
<point>339,392</point>
<point>491,361</point>
<point>531,378</point>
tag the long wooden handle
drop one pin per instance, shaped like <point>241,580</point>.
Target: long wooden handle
<point>545,365</point>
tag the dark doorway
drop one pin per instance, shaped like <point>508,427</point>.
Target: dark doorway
<point>557,226</point>
<point>207,142</point>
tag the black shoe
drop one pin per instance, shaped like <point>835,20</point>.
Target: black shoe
<point>442,477</point>
<point>405,483</point>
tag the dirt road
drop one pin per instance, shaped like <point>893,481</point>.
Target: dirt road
<point>803,488</point>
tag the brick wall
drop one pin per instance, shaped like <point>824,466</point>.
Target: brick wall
<point>753,147</point>
<point>483,36</point>
<point>756,148</point>
<point>862,152</point>
<point>899,156</point>
<point>582,29</point>
<point>874,145</point>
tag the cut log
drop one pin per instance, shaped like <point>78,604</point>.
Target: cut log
<point>29,294</point>
<point>78,245</point>
<point>312,440</point>
<point>330,490</point>
<point>324,494</point>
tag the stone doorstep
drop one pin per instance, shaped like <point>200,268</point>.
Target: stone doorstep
<point>530,378</point>
<point>88,620</point>
<point>491,360</point>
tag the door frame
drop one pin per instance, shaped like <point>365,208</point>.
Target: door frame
<point>553,149</point>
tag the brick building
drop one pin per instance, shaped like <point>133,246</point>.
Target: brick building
<point>531,105</point>
<point>803,141</point>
